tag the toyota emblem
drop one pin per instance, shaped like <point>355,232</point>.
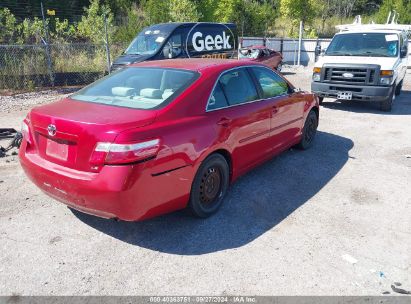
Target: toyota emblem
<point>51,129</point>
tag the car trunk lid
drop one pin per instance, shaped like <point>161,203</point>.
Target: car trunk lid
<point>66,132</point>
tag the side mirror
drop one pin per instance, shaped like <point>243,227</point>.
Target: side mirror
<point>317,50</point>
<point>403,53</point>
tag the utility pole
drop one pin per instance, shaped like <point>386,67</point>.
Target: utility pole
<point>107,45</point>
<point>46,43</point>
<point>300,38</point>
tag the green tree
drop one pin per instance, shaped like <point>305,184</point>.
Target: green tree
<point>135,22</point>
<point>63,31</point>
<point>31,31</point>
<point>298,10</point>
<point>252,17</point>
<point>183,11</point>
<point>157,11</point>
<point>207,9</point>
<point>7,26</point>
<point>402,8</point>
<point>91,25</point>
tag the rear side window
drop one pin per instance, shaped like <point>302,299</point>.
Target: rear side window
<point>238,86</point>
<point>217,98</point>
<point>138,88</point>
<point>271,84</point>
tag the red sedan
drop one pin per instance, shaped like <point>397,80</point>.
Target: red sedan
<point>160,136</point>
<point>262,54</point>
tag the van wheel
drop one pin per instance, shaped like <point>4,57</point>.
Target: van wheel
<point>386,105</point>
<point>398,88</point>
<point>320,99</point>
<point>209,187</point>
<point>309,131</point>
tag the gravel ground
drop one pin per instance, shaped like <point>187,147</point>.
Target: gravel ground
<point>333,220</point>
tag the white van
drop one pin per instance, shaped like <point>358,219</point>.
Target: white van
<point>363,62</point>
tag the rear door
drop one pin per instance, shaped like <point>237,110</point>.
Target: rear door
<point>242,118</point>
<point>287,107</point>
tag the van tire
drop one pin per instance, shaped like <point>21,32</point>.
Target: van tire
<point>398,88</point>
<point>205,199</point>
<point>320,99</point>
<point>386,105</point>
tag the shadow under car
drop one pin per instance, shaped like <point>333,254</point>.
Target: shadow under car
<point>254,204</point>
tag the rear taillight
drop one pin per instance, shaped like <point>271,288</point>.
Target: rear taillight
<point>25,131</point>
<point>108,153</point>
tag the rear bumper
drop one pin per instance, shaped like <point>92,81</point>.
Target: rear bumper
<point>370,93</point>
<point>125,192</point>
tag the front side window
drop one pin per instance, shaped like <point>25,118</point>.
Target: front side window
<point>271,84</point>
<point>364,44</point>
<point>138,88</point>
<point>173,47</point>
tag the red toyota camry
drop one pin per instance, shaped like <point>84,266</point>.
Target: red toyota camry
<point>160,136</point>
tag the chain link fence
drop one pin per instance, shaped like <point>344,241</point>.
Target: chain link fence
<point>289,47</point>
<point>31,66</point>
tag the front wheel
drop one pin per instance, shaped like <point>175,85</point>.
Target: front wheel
<point>309,131</point>
<point>386,105</point>
<point>209,186</point>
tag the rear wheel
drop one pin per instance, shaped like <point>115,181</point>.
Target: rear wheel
<point>309,131</point>
<point>386,105</point>
<point>209,187</point>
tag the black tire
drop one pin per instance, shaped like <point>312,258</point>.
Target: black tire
<point>398,88</point>
<point>309,131</point>
<point>209,186</point>
<point>279,67</point>
<point>320,99</point>
<point>386,105</point>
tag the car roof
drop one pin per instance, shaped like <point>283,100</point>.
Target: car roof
<point>254,47</point>
<point>367,31</point>
<point>171,26</point>
<point>196,64</point>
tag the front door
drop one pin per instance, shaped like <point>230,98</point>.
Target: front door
<point>287,107</point>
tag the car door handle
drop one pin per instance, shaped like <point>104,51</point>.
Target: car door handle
<point>275,109</point>
<point>225,122</point>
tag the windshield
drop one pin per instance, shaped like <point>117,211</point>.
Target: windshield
<point>137,88</point>
<point>146,43</point>
<point>249,53</point>
<point>364,44</point>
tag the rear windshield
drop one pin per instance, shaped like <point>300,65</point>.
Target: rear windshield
<point>364,44</point>
<point>138,88</point>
